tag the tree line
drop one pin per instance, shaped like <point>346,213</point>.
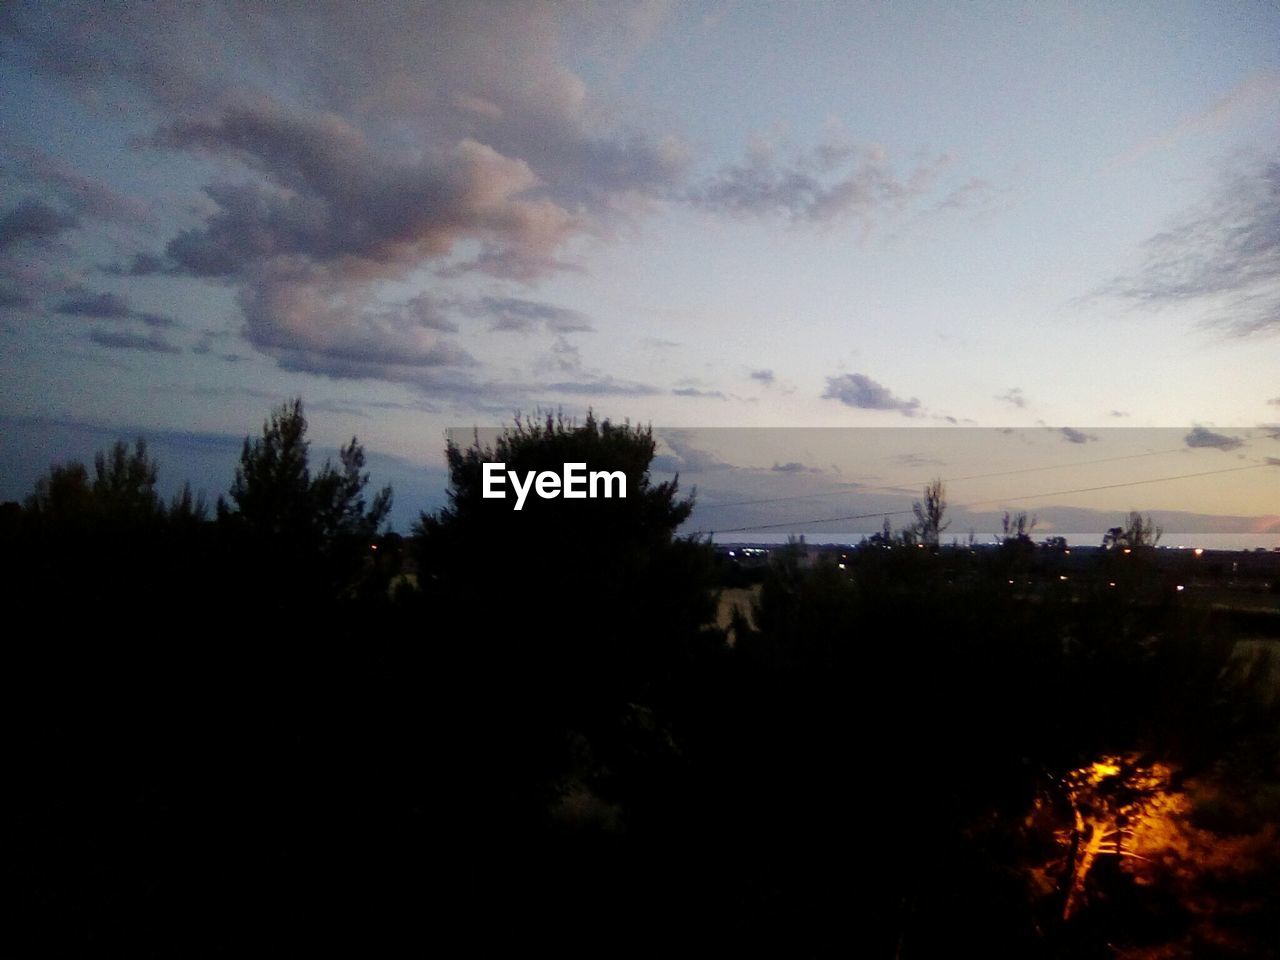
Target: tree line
<point>525,729</point>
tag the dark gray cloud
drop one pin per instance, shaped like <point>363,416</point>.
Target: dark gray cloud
<point>1204,437</point>
<point>602,386</point>
<point>102,306</point>
<point>1014,397</point>
<point>10,298</point>
<point>827,183</point>
<point>82,302</point>
<point>155,319</point>
<point>1225,253</point>
<point>762,376</point>
<point>525,316</point>
<point>860,391</point>
<point>120,340</point>
<point>695,392</point>
<point>1072,435</point>
<point>34,221</point>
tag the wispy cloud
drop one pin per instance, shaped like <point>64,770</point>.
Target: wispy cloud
<point>1225,253</point>
<point>695,392</point>
<point>827,183</point>
<point>120,340</point>
<point>1014,397</point>
<point>523,316</point>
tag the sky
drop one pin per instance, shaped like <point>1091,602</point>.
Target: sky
<point>1051,217</point>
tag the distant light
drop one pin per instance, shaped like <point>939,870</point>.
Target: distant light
<point>1181,588</point>
<point>732,554</point>
<point>1199,551</point>
<point>842,566</point>
<point>1127,550</point>
<point>373,546</point>
<point>1062,576</point>
<point>1111,584</point>
<point>1068,552</point>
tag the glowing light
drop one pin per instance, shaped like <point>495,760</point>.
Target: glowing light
<point>1199,551</point>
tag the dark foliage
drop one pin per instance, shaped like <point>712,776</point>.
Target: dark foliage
<point>521,730</point>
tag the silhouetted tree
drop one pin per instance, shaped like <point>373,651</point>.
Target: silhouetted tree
<point>566,630</point>
<point>313,531</point>
<point>1138,532</point>
<point>929,524</point>
<point>275,495</point>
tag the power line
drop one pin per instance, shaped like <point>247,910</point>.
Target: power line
<point>975,476</point>
<point>794,524</point>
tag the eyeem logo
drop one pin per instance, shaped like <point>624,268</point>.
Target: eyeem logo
<point>575,483</point>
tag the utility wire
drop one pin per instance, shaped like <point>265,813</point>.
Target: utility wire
<point>975,476</point>
<point>1032,496</point>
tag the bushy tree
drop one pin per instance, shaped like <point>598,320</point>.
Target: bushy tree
<point>563,624</point>
<point>276,497</point>
<point>295,534</point>
<point>121,494</point>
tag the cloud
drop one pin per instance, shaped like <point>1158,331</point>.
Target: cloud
<point>330,198</point>
<point>10,298</point>
<point>406,139</point>
<point>338,332</point>
<point>563,357</point>
<point>117,340</point>
<point>1204,437</point>
<point>860,391</point>
<point>82,302</point>
<point>685,455</point>
<point>1071,435</point>
<point>916,460</point>
<point>762,376</point>
<point>1117,413</point>
<point>1274,401</point>
<point>524,316</point>
<point>828,183</point>
<point>1014,397</point>
<point>34,221</point>
<point>603,386</point>
<point>695,392</point>
<point>1225,253</point>
<point>794,466</point>
<point>103,306</point>
<point>1257,89</point>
